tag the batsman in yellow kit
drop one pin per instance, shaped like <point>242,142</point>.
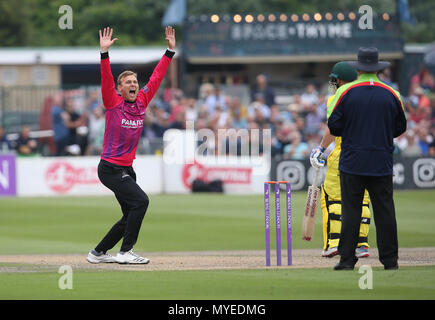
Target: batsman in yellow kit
<point>331,193</point>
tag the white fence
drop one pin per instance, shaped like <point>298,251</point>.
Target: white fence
<point>77,176</point>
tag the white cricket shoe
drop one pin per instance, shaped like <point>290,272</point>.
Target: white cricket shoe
<point>330,252</point>
<point>103,258</point>
<point>130,257</point>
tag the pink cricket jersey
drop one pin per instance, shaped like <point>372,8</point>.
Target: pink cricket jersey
<point>124,120</point>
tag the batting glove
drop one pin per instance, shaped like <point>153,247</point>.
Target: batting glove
<point>316,157</point>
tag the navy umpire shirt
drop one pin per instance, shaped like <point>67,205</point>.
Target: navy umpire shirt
<point>368,115</point>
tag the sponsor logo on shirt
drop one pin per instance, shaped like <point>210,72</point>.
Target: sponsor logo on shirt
<point>131,124</point>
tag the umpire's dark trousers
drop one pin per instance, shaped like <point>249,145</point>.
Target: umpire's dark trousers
<point>134,203</point>
<point>380,190</point>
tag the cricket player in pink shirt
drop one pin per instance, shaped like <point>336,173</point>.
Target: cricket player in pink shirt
<point>125,113</point>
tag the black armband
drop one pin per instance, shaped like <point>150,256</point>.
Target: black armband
<point>104,55</point>
<point>169,54</point>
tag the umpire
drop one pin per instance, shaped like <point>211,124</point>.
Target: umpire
<point>367,114</point>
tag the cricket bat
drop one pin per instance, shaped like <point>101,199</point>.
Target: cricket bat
<point>310,210</point>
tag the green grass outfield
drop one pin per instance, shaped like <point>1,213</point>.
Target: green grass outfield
<point>67,225</point>
<point>274,284</point>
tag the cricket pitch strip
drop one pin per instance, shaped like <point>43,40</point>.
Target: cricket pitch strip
<point>206,260</point>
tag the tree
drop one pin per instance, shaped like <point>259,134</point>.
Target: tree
<point>423,12</point>
<point>138,22</point>
<point>14,23</point>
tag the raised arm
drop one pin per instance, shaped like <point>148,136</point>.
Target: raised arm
<point>148,92</point>
<point>170,37</point>
<point>107,83</point>
<point>106,40</point>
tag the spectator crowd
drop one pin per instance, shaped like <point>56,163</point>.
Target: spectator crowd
<point>78,123</point>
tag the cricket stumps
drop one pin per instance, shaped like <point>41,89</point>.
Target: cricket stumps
<point>277,190</point>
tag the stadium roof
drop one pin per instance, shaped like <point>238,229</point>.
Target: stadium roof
<point>78,55</point>
<point>317,58</point>
<point>417,47</point>
<point>144,55</point>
